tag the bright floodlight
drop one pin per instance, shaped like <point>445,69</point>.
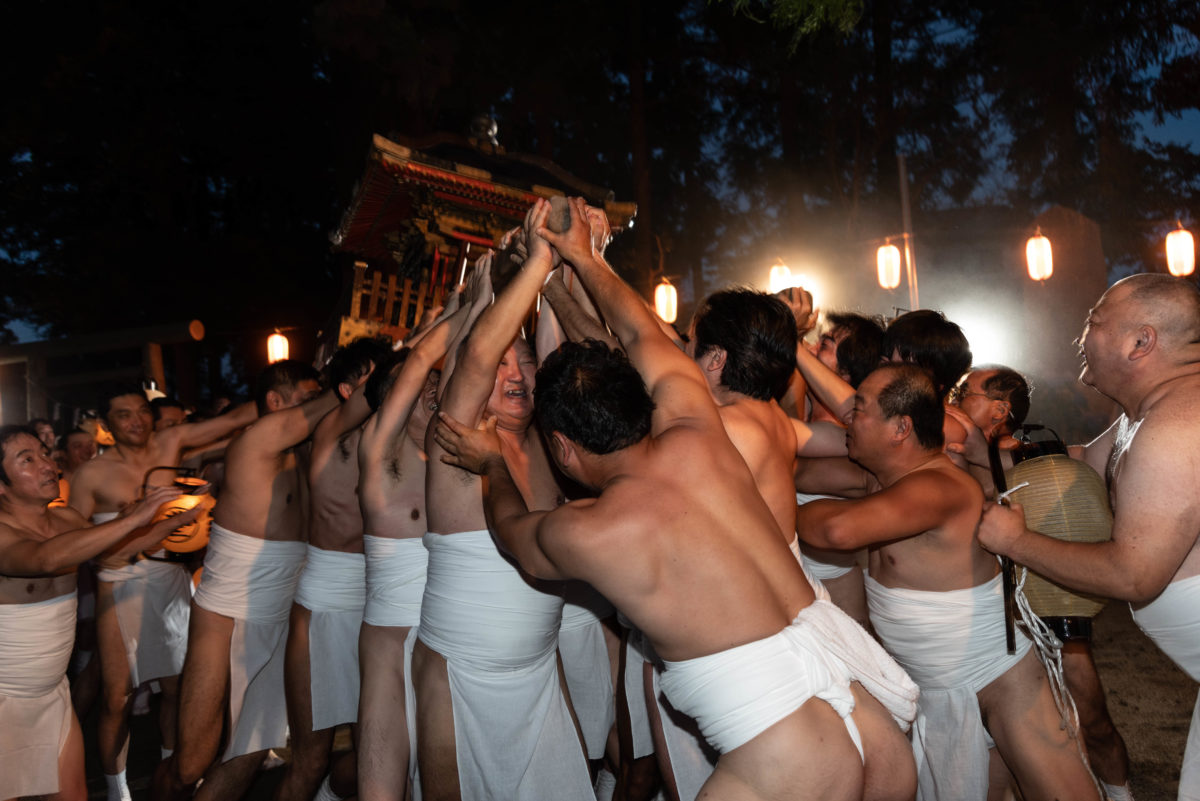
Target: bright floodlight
<point>277,348</point>
<point>1181,252</point>
<point>666,301</point>
<point>887,259</point>
<point>1039,257</point>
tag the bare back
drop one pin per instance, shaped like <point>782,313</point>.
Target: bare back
<point>763,435</point>
<point>693,557</point>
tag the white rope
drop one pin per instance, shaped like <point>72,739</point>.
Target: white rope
<point>1049,653</point>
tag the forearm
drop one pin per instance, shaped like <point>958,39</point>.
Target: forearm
<point>826,385</point>
<point>504,506</point>
<point>65,550</point>
<point>576,323</point>
<point>620,306</point>
<point>825,524</point>
<point>1091,567</point>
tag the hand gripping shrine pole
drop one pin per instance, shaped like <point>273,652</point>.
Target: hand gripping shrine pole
<point>1008,573</point>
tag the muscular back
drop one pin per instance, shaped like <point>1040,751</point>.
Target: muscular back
<point>692,556</point>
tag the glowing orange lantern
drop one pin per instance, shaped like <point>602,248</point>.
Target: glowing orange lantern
<point>277,348</point>
<point>887,258</point>
<point>1039,257</point>
<point>666,301</point>
<point>1181,252</point>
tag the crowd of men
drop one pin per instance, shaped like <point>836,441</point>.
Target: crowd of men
<point>577,554</point>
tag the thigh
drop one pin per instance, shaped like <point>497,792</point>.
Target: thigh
<point>203,689</point>
<point>889,770</point>
<point>110,645</point>
<point>72,785</point>
<point>383,744</point>
<point>297,674</point>
<point>1021,716</point>
<point>1079,671</point>
<point>436,752</point>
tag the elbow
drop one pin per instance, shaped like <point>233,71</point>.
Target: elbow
<point>1141,591</point>
<point>838,535</point>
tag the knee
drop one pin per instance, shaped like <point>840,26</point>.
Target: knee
<point>117,700</point>
<point>186,770</point>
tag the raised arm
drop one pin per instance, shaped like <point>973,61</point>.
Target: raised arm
<point>194,435</point>
<point>278,431</point>
<point>673,380</point>
<point>576,322</point>
<point>20,556</point>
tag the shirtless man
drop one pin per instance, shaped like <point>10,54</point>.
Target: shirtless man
<point>234,668</point>
<point>41,746</point>
<point>321,661</point>
<point>745,342</point>
<point>1141,348</point>
<point>391,493</point>
<point>933,590</point>
<point>658,542</point>
<point>492,720</point>
<point>141,608</point>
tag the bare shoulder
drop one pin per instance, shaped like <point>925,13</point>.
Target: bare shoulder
<point>943,484</point>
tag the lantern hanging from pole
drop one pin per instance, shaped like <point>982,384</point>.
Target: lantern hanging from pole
<point>780,277</point>
<point>1181,252</point>
<point>887,258</point>
<point>666,301</point>
<point>1039,257</point>
<point>277,348</point>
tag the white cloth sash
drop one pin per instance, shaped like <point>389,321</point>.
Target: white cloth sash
<point>514,736</point>
<point>248,578</point>
<point>1172,621</point>
<point>152,600</point>
<point>253,581</point>
<point>953,645</point>
<point>333,588</point>
<point>395,580</point>
<point>35,700</point>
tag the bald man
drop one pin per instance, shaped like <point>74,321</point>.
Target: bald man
<point>1141,348</point>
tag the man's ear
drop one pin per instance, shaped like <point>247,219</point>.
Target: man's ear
<point>345,390</point>
<point>274,401</point>
<point>1146,339</point>
<point>903,426</point>
<point>564,449</point>
<point>1000,410</point>
<point>714,360</point>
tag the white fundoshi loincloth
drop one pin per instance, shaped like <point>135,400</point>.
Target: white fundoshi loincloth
<point>513,731</point>
<point>253,581</point>
<point>1172,621</point>
<point>952,644</point>
<point>737,694</point>
<point>585,663</point>
<point>333,587</point>
<point>35,698</point>
<point>152,600</point>
<point>692,759</point>
<point>395,580</point>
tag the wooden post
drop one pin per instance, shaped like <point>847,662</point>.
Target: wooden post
<point>152,363</point>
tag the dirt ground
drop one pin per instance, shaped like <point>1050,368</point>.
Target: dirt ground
<point>1149,698</point>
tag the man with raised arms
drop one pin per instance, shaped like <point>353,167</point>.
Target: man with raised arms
<point>391,493</point>
<point>1141,348</point>
<point>141,608</point>
<point>234,668</point>
<point>935,601</point>
<point>492,720</point>
<point>321,660</point>
<point>41,746</point>
<point>695,559</point>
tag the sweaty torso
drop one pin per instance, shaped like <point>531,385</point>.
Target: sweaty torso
<point>763,435</point>
<point>692,556</point>
<point>27,590</point>
<point>946,556</point>
<point>265,495</point>
<point>392,489</point>
<point>336,522</point>
<point>1173,422</point>
<point>114,479</point>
